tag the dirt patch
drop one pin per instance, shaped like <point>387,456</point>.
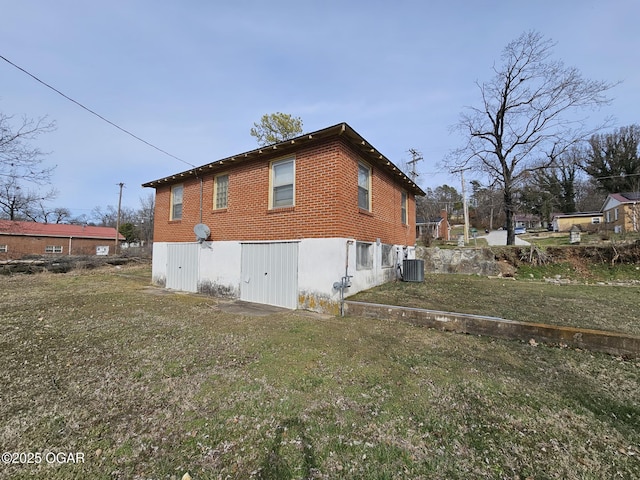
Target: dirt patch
<point>250,309</point>
<point>580,256</point>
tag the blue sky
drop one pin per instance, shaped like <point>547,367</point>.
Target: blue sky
<point>191,77</point>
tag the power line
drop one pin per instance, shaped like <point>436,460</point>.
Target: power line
<point>416,157</point>
<point>95,113</point>
<point>623,175</point>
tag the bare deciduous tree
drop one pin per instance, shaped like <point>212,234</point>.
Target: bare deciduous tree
<point>147,206</point>
<point>589,198</point>
<point>45,214</point>
<point>18,158</point>
<point>21,164</point>
<point>18,203</point>
<point>528,117</point>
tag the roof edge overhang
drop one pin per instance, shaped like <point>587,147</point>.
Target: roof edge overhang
<point>49,235</point>
<point>577,214</point>
<point>341,130</point>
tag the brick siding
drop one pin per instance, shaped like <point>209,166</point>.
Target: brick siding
<point>326,202</point>
<point>19,246</point>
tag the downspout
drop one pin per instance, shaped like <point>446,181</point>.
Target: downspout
<point>70,245</point>
<point>201,193</point>
<point>195,173</point>
<point>346,261</point>
<point>346,283</point>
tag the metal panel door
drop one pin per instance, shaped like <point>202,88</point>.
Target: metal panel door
<point>270,273</point>
<point>182,266</point>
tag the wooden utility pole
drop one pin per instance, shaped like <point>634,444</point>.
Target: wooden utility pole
<point>465,208</point>
<point>118,218</point>
<point>416,157</point>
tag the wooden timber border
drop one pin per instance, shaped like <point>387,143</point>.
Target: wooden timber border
<point>614,343</point>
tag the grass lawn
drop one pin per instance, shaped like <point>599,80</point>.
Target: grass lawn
<point>548,239</point>
<point>601,307</point>
<point>151,385</point>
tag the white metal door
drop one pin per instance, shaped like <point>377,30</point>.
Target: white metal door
<point>182,266</point>
<point>270,273</point>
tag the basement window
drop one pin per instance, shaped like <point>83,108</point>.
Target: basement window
<point>387,256</point>
<point>53,249</point>
<point>4,248</point>
<point>364,256</point>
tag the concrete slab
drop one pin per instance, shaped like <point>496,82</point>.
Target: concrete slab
<point>240,307</point>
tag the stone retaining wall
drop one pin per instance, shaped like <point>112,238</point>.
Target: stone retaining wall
<point>469,261</point>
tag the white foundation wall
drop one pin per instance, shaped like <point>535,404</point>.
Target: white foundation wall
<point>159,264</point>
<point>321,264</point>
<point>220,268</point>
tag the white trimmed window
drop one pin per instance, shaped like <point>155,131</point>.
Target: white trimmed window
<point>595,219</point>
<point>364,186</point>
<point>615,215</point>
<point>608,216</point>
<point>364,256</point>
<point>4,248</point>
<point>53,249</point>
<point>403,208</point>
<point>282,192</point>
<point>176,202</point>
<point>221,191</point>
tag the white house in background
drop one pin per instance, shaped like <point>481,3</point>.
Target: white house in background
<point>621,212</point>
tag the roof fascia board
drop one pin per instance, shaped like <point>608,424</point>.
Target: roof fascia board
<point>341,130</point>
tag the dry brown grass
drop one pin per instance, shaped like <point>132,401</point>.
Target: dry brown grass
<point>150,385</point>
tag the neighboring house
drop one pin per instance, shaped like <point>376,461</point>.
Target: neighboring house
<point>18,239</point>
<point>621,212</point>
<point>283,224</point>
<point>563,222</point>
<point>527,220</point>
<point>437,227</point>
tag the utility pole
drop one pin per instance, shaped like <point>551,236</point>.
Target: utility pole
<point>465,207</point>
<point>118,218</point>
<point>416,157</point>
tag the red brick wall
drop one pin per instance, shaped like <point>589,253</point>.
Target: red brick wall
<point>19,246</point>
<point>326,202</point>
<point>444,225</point>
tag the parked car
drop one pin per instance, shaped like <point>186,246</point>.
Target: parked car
<point>520,230</point>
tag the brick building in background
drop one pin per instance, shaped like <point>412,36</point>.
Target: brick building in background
<point>437,227</point>
<point>282,223</point>
<point>18,239</point>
